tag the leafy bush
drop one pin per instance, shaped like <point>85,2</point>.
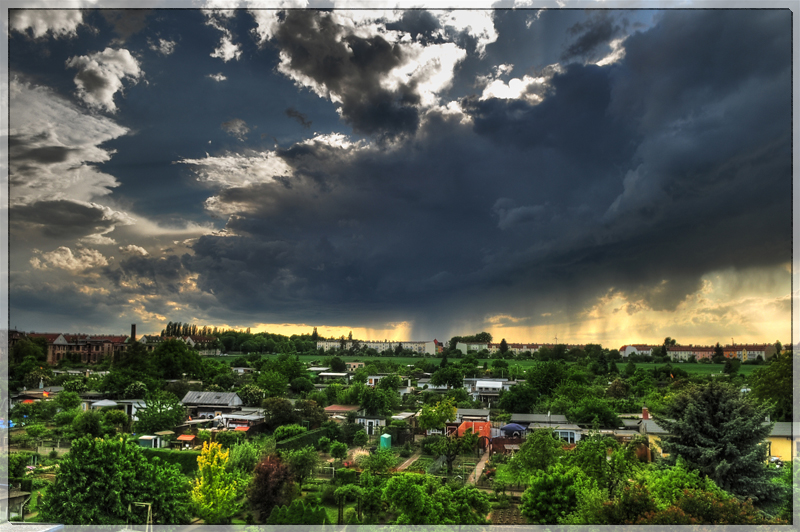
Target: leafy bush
<point>305,439</point>
<point>405,453</point>
<point>186,460</point>
<point>229,438</point>
<point>313,499</point>
<point>324,444</point>
<point>284,432</point>
<point>327,494</point>
<point>203,435</point>
<point>429,442</point>
<point>346,476</point>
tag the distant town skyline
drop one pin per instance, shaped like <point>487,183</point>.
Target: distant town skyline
<point>604,176</point>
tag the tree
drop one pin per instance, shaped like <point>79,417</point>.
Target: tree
<point>302,462</point>
<point>773,384</point>
<point>539,451</point>
<point>719,355</point>
<point>273,383</point>
<point>551,494</point>
<point>173,358</point>
<point>251,395</point>
<point>360,438</point>
<point>630,369</point>
<point>271,486</point>
<point>100,479</point>
<point>590,409</point>
<point>68,400</point>
<point>732,366</point>
<point>311,411</point>
<point>216,489</point>
<point>337,364</point>
<point>610,472</point>
<point>162,411</point>
<point>450,447</point>
<point>349,491</point>
<point>451,376</point>
<point>116,418</point>
<point>503,346</point>
<point>339,450</point>
<point>389,382</point>
<point>279,411</point>
<point>135,390</point>
<point>720,433</point>
<point>380,461</point>
<point>74,385</point>
<point>89,423</point>
<point>422,500</point>
<point>435,416</point>
<point>26,348</point>
<point>301,385</point>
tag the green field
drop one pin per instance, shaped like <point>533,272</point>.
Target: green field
<point>701,369</point>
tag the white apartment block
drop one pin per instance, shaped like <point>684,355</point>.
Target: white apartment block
<point>379,346</point>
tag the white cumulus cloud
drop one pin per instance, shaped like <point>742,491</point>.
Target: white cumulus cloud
<point>64,259</point>
<point>58,22</point>
<point>100,76</point>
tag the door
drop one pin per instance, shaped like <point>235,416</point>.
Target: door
<point>369,427</point>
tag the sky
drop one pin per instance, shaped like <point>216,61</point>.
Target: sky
<point>605,176</point>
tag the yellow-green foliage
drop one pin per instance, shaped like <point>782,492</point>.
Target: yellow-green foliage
<point>215,490</point>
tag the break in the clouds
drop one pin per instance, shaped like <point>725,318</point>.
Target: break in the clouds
<point>605,176</point>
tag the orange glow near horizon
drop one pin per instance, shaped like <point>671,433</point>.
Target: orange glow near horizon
<point>750,306</point>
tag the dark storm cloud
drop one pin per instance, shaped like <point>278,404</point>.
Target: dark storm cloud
<point>69,308</point>
<point>148,275</point>
<point>61,219</point>
<point>573,118</point>
<point>593,34</point>
<point>291,112</point>
<point>351,67</point>
<point>533,208</point>
<point>692,57</point>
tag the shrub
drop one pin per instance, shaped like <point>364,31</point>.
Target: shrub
<point>53,454</point>
<point>324,444</point>
<point>284,432</point>
<point>429,442</point>
<point>229,438</point>
<point>313,499</point>
<point>405,453</point>
<point>346,476</point>
<point>186,460</point>
<point>327,494</point>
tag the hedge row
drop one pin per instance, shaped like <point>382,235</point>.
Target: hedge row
<point>301,440</point>
<point>186,460</point>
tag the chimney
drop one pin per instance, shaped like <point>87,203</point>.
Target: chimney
<point>645,413</point>
<point>133,332</point>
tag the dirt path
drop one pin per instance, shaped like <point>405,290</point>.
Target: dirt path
<point>413,458</point>
<point>475,475</point>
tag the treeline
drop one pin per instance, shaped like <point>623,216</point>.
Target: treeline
<point>188,329</point>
